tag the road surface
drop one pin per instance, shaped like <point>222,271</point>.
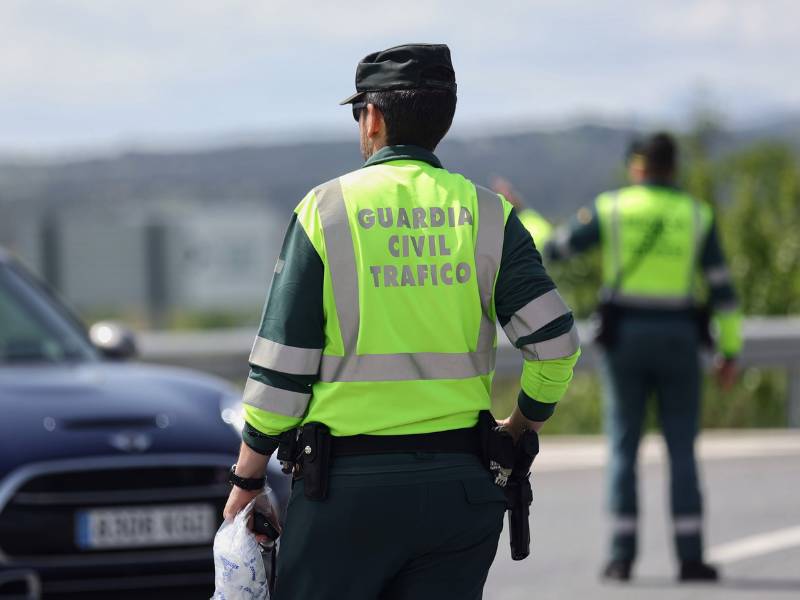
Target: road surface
<point>752,485</point>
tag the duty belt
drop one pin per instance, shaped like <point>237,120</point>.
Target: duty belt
<point>308,452</point>
<point>453,441</point>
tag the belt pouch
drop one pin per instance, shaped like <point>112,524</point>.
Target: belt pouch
<point>316,457</point>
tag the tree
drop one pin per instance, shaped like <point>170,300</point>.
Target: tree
<point>761,228</point>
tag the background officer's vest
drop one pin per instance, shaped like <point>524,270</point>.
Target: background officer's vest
<point>677,224</point>
<point>540,228</point>
<point>411,255</point>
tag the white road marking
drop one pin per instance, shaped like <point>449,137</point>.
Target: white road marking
<point>755,545</point>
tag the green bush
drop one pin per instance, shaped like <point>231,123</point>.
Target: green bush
<point>758,401</point>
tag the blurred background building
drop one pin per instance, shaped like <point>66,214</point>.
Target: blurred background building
<point>151,266</point>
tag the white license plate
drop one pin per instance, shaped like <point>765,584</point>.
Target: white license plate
<point>135,527</point>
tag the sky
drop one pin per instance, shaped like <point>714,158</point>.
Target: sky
<point>78,74</point>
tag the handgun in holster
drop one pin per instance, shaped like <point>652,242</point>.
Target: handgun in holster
<point>510,465</point>
<point>497,448</point>
<point>519,495</point>
<point>289,450</point>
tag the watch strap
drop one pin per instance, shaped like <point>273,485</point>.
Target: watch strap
<point>250,484</point>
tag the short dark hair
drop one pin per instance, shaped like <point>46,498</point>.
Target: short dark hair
<point>420,117</point>
<point>659,151</point>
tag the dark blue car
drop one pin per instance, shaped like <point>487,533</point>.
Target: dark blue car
<point>112,474</point>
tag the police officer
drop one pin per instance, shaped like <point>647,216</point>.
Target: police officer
<point>654,239</point>
<point>540,228</point>
<point>380,325</point>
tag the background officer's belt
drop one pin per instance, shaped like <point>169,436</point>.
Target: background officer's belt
<point>454,440</point>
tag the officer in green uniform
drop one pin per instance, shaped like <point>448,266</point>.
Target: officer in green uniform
<point>540,228</point>
<point>654,239</point>
<point>381,325</point>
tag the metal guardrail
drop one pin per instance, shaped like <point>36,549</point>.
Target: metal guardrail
<point>769,342</point>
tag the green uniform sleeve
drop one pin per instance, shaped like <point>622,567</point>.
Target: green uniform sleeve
<point>729,333</point>
<point>537,321</point>
<point>258,441</point>
<point>727,316</point>
<point>285,358</point>
<point>543,384</point>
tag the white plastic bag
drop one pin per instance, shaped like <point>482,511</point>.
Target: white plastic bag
<point>239,572</point>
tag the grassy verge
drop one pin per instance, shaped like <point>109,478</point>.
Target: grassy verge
<point>758,401</point>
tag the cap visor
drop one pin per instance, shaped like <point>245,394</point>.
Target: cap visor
<point>351,99</point>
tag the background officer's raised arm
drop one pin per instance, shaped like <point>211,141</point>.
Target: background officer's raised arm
<point>581,234</point>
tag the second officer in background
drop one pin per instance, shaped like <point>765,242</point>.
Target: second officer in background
<point>539,227</point>
<point>654,239</point>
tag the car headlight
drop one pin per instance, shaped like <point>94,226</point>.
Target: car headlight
<point>231,410</point>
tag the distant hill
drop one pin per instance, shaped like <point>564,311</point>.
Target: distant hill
<point>556,171</point>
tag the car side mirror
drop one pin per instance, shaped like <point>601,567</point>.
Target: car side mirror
<point>114,340</point>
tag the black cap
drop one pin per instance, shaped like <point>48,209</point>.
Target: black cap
<point>408,67</point>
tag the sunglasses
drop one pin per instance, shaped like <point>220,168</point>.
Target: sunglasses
<point>357,108</point>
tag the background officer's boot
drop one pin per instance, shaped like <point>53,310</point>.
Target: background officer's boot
<point>617,570</point>
<point>697,570</point>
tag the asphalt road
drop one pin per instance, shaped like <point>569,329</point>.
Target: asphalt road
<point>752,489</point>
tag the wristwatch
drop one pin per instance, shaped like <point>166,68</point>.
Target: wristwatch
<point>250,484</point>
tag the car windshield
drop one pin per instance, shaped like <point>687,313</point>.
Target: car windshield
<point>32,328</point>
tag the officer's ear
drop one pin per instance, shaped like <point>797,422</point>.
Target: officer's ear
<point>374,124</point>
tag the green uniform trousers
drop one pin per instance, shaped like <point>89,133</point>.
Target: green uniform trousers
<point>656,355</point>
<point>394,527</point>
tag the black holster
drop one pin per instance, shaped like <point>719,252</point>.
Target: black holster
<point>497,448</point>
<point>510,464</point>
<point>608,316</point>
<point>315,459</point>
<point>519,495</point>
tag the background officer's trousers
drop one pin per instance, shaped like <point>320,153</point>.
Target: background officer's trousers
<point>658,355</point>
<point>393,527</point>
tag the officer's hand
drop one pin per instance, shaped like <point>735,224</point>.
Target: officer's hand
<point>517,424</point>
<point>506,424</point>
<point>726,372</point>
<point>237,500</point>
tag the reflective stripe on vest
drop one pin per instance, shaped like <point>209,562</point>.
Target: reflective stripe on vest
<point>718,276</point>
<point>286,359</point>
<point>535,315</point>
<point>275,400</point>
<point>562,346</point>
<point>413,365</point>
